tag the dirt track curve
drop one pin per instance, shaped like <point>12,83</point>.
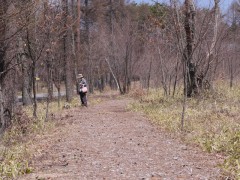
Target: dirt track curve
<point>106,141</point>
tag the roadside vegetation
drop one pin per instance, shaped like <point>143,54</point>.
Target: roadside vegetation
<point>212,120</point>
<point>15,154</point>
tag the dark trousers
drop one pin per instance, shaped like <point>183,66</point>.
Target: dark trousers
<point>83,97</point>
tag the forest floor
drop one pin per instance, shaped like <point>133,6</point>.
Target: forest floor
<point>107,141</point>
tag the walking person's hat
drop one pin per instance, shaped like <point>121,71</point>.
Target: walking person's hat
<point>79,76</point>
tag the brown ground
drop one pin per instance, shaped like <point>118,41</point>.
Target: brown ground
<point>106,141</point>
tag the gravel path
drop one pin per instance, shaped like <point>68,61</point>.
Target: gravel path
<point>108,142</point>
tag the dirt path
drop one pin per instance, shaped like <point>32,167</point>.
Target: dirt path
<point>108,142</point>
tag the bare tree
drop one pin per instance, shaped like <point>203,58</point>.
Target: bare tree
<point>66,59</point>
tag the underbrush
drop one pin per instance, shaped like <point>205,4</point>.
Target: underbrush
<point>14,152</point>
<point>212,120</point>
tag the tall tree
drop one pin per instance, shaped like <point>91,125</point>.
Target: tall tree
<point>67,61</point>
<point>190,72</point>
<point>3,9</point>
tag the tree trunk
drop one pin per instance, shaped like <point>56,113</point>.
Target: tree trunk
<point>2,120</point>
<point>88,48</point>
<point>126,83</point>
<point>26,83</point>
<point>76,41</point>
<point>211,55</point>
<point>230,67</point>
<point>114,76</point>
<point>149,75</point>
<point>34,89</point>
<point>2,55</point>
<point>175,79</point>
<point>102,83</point>
<point>33,71</point>
<point>191,86</point>
<point>164,83</point>
<point>67,61</point>
<point>49,82</point>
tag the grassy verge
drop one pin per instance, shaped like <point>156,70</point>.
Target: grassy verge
<point>212,120</point>
<point>14,145</point>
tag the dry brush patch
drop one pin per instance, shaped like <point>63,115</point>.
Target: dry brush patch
<point>15,151</point>
<point>212,121</point>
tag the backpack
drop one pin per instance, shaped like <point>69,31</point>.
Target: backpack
<point>82,87</point>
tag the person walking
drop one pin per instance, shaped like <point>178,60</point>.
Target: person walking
<point>82,89</point>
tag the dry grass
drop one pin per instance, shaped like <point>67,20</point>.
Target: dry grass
<point>212,120</point>
<point>14,154</point>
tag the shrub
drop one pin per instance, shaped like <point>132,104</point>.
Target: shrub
<point>212,120</point>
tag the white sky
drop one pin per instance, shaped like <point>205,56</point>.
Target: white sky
<point>203,3</point>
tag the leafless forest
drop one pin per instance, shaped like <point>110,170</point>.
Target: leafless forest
<point>115,44</point>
